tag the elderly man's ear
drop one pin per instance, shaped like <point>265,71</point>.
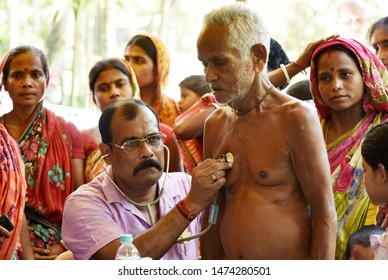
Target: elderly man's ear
<point>260,56</point>
<point>105,151</point>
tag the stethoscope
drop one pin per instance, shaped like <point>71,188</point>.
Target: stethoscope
<point>213,213</point>
<point>147,206</point>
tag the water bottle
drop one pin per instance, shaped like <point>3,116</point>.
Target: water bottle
<point>127,250</point>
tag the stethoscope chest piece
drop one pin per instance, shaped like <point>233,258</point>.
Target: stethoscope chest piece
<point>229,158</point>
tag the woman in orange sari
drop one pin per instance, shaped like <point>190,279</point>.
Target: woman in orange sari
<point>51,148</point>
<point>150,60</point>
<point>12,198</point>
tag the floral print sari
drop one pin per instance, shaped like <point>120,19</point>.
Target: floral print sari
<point>46,151</point>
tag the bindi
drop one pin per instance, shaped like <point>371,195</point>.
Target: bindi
<point>332,69</point>
<point>25,70</point>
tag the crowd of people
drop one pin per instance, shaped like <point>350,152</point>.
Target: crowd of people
<point>240,168</point>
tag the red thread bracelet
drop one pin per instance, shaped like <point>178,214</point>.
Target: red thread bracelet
<point>185,212</point>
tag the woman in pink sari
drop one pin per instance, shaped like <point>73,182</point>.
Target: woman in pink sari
<point>349,87</point>
<point>51,148</point>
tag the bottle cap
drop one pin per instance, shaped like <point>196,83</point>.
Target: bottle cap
<point>126,238</point>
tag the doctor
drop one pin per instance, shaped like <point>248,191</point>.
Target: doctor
<point>135,196</point>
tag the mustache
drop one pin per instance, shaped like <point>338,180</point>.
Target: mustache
<point>148,163</point>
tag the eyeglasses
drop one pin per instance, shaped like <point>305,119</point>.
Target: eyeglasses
<point>153,140</point>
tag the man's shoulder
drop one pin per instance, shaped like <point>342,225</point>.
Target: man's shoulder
<point>297,108</point>
<point>89,190</point>
<point>218,115</point>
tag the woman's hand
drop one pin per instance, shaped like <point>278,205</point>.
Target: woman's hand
<point>304,58</point>
<point>48,254</point>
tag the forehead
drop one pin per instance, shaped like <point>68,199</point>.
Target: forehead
<point>380,34</point>
<point>26,60</point>
<point>110,74</point>
<point>134,50</point>
<point>142,125</point>
<point>360,252</point>
<point>335,58</point>
<point>213,41</point>
<point>187,91</point>
<point>352,10</point>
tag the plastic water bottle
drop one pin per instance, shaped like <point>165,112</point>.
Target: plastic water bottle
<point>127,250</point>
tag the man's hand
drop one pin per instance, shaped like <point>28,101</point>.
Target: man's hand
<point>207,179</point>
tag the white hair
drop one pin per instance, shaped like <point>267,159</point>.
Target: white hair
<point>246,27</point>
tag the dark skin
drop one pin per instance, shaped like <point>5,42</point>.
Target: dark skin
<point>293,209</point>
<point>26,85</point>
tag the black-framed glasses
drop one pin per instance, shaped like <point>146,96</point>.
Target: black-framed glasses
<point>153,140</point>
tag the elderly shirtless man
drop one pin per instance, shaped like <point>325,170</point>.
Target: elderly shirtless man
<point>277,202</point>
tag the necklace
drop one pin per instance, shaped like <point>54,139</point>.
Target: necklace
<point>241,112</point>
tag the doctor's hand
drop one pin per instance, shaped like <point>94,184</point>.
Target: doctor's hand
<point>207,179</point>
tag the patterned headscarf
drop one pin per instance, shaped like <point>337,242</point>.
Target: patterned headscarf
<point>374,74</point>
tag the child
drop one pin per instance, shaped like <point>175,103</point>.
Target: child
<point>196,104</point>
<point>192,89</point>
<point>359,247</point>
<point>374,151</point>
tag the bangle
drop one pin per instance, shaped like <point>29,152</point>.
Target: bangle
<point>184,211</point>
<point>285,73</point>
<point>300,67</point>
